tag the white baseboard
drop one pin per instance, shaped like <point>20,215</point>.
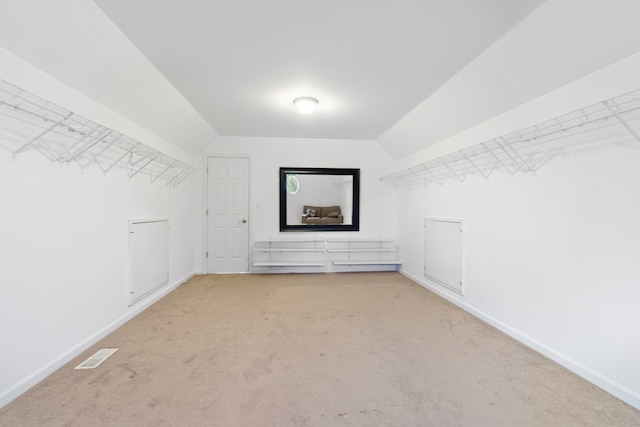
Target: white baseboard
<point>612,387</point>
<point>22,386</point>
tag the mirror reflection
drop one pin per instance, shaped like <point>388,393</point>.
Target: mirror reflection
<point>314,199</point>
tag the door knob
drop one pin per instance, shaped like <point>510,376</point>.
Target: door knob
<point>244,221</point>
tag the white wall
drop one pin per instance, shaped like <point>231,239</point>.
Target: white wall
<point>377,211</point>
<point>552,257</point>
<point>64,243</point>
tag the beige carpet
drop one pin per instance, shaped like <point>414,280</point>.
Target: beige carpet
<point>359,349</point>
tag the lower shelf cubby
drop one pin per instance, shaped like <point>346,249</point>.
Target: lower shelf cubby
<point>289,256</point>
<point>363,254</point>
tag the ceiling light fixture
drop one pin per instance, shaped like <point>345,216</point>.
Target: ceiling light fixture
<point>305,104</point>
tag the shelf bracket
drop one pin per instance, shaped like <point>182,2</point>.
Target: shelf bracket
<point>439,181</point>
<point>98,154</point>
<point>43,133</point>
<point>87,147</point>
<point>452,171</point>
<point>144,165</point>
<point>475,166</point>
<point>46,151</point>
<point>61,157</point>
<point>490,151</point>
<point>175,177</point>
<point>179,177</point>
<point>189,172</point>
<point>163,171</point>
<point>623,122</point>
<point>418,177</point>
<point>120,158</point>
<point>524,162</point>
<point>133,163</point>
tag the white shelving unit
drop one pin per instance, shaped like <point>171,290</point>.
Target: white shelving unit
<point>363,254</point>
<point>324,255</point>
<point>290,255</point>
<point>524,150</point>
<point>31,123</point>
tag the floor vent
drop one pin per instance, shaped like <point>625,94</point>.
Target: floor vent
<point>95,360</point>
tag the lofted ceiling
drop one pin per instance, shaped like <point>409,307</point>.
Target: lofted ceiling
<point>241,63</point>
<point>192,70</point>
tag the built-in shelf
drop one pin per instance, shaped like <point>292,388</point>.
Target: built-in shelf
<point>324,255</point>
<point>524,150</point>
<point>289,255</point>
<point>362,254</point>
<point>364,262</point>
<point>288,250</point>
<point>31,123</point>
<point>375,250</point>
<point>288,264</point>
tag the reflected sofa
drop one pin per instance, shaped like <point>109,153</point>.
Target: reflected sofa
<point>321,215</point>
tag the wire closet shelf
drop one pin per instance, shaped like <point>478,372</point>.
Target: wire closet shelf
<point>525,150</point>
<point>28,122</point>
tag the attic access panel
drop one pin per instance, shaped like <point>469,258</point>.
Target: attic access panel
<point>443,252</point>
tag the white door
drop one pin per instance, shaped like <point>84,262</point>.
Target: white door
<point>227,215</point>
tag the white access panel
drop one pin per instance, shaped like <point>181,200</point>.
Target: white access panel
<point>443,252</point>
<point>148,256</point>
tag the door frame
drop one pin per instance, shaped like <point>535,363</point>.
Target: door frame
<point>205,203</point>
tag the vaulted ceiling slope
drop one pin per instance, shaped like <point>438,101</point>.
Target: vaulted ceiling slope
<point>407,73</point>
<point>187,70</point>
<point>74,42</point>
<point>559,43</point>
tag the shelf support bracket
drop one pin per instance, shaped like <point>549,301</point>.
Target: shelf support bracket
<point>163,171</point>
<point>144,165</point>
<point>490,151</point>
<point>178,178</point>
<point>87,147</point>
<point>452,171</point>
<point>189,172</point>
<point>515,162</point>
<point>120,158</point>
<point>474,165</point>
<point>439,181</point>
<point>41,134</point>
<point>98,154</point>
<point>417,176</point>
<point>524,162</point>
<point>61,157</point>
<point>623,122</point>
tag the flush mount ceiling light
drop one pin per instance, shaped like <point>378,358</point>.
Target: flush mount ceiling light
<point>305,104</point>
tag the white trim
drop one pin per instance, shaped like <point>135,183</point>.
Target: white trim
<point>608,385</point>
<point>25,384</point>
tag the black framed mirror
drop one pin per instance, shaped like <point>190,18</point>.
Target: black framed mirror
<point>319,199</point>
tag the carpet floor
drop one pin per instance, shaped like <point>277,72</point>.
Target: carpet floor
<point>352,349</point>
